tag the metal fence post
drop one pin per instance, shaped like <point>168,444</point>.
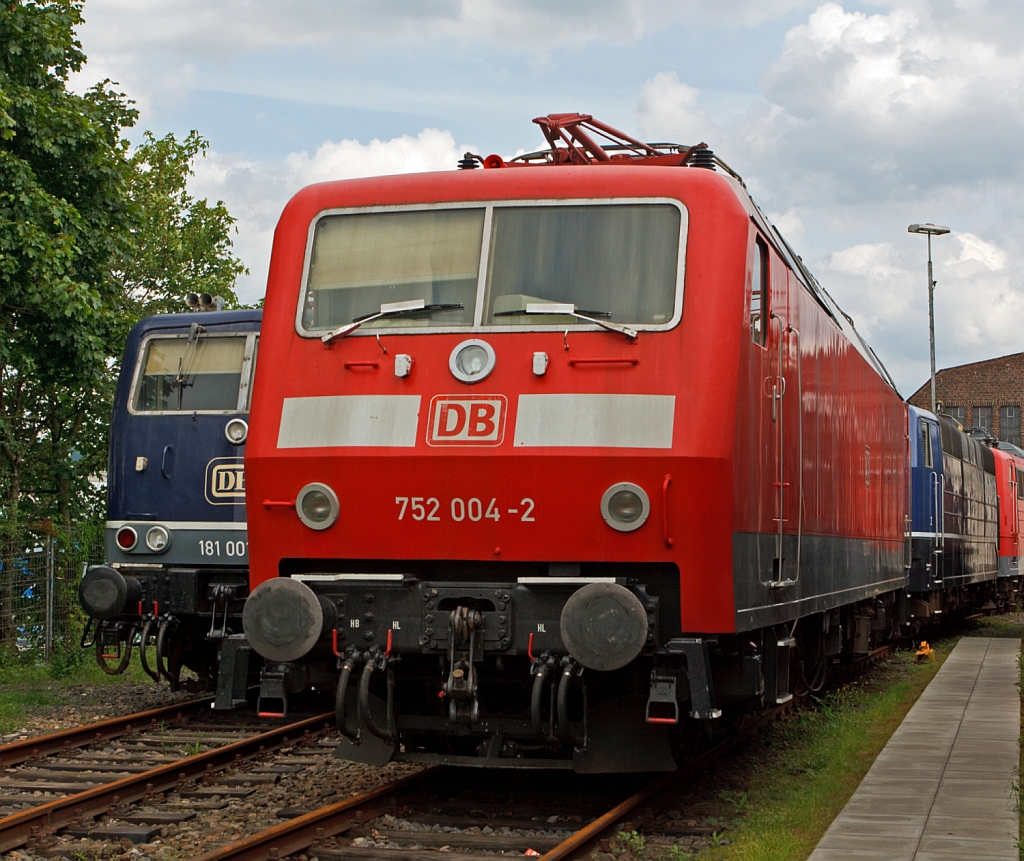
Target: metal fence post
<point>51,549</point>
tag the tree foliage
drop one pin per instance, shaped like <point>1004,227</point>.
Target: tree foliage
<point>93,236</point>
<point>176,245</point>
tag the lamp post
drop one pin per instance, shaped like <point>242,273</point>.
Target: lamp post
<point>930,230</point>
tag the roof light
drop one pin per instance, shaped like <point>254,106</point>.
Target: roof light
<point>472,361</point>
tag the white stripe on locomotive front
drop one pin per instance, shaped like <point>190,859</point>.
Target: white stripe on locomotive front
<point>349,420</point>
<point>595,421</point>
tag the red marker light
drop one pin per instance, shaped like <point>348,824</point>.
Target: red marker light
<point>127,538</point>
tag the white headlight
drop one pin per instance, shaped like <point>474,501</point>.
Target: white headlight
<point>472,361</point>
<point>317,505</point>
<point>625,506</point>
<point>158,539</point>
<point>236,431</point>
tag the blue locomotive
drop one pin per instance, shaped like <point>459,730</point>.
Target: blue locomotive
<point>176,547</point>
<point>954,519</point>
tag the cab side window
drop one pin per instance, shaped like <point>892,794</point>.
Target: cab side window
<point>760,286</point>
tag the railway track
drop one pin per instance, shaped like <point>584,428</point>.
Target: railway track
<point>61,741</point>
<point>316,833</point>
<point>466,816</point>
<point>145,776</point>
<point>436,808</point>
<point>49,783</point>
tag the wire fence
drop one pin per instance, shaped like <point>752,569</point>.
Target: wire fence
<point>40,569</point>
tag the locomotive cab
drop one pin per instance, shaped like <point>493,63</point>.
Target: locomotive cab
<point>176,547</point>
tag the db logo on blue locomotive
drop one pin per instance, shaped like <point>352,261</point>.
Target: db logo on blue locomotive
<point>225,481</point>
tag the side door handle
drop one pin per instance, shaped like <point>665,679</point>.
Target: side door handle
<point>164,470</point>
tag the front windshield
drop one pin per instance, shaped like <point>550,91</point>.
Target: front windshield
<point>616,261</point>
<point>362,261</point>
<point>203,375</point>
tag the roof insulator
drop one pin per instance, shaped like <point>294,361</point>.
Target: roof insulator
<point>702,157</point>
<point>469,161</point>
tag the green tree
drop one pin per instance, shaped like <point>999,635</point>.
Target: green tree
<point>63,211</point>
<point>93,236</point>
<point>176,245</point>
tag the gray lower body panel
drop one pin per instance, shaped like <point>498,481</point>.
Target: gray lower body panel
<point>832,572</point>
<point>954,563</point>
<point>191,544</point>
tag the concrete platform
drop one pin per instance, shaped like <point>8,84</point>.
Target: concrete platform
<point>942,788</point>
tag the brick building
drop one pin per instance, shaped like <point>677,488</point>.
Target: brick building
<point>986,394</point>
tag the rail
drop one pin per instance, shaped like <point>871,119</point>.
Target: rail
<point>17,828</point>
<point>18,752</point>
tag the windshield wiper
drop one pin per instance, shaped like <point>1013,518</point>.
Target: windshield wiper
<point>185,362</point>
<point>387,309</point>
<point>519,312</point>
<point>571,311</point>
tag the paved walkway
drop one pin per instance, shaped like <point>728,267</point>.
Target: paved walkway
<point>942,787</point>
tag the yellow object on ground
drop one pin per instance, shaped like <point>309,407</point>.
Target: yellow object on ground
<point>925,652</point>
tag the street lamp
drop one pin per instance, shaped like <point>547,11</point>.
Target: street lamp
<point>930,230</point>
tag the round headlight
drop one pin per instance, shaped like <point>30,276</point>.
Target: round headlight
<point>317,506</point>
<point>625,506</point>
<point>158,539</point>
<point>472,361</point>
<point>236,431</point>
<point>127,538</point>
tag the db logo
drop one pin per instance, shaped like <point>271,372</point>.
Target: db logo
<point>467,420</point>
<point>225,481</point>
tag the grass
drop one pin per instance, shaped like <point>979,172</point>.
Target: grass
<point>816,760</point>
<point>28,686</point>
<point>1011,625</point>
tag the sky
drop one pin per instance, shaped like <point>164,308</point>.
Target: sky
<point>848,121</point>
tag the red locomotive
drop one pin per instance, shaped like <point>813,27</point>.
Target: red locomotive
<point>1009,470</point>
<point>550,457</point>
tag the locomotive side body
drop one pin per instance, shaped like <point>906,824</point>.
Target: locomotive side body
<point>175,544</point>
<point>955,522</point>
<point>1009,473</point>
<point>530,509</point>
<point>820,491</point>
<point>927,482</point>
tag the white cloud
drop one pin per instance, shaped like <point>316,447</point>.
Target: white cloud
<point>790,224</point>
<point>869,121</point>
<point>919,95</point>
<point>979,312</point>
<point>975,248</point>
<point>874,121</point>
<point>256,192</point>
<point>429,150</point>
<point>667,110</point>
<point>219,29</point>
<point>144,44</point>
